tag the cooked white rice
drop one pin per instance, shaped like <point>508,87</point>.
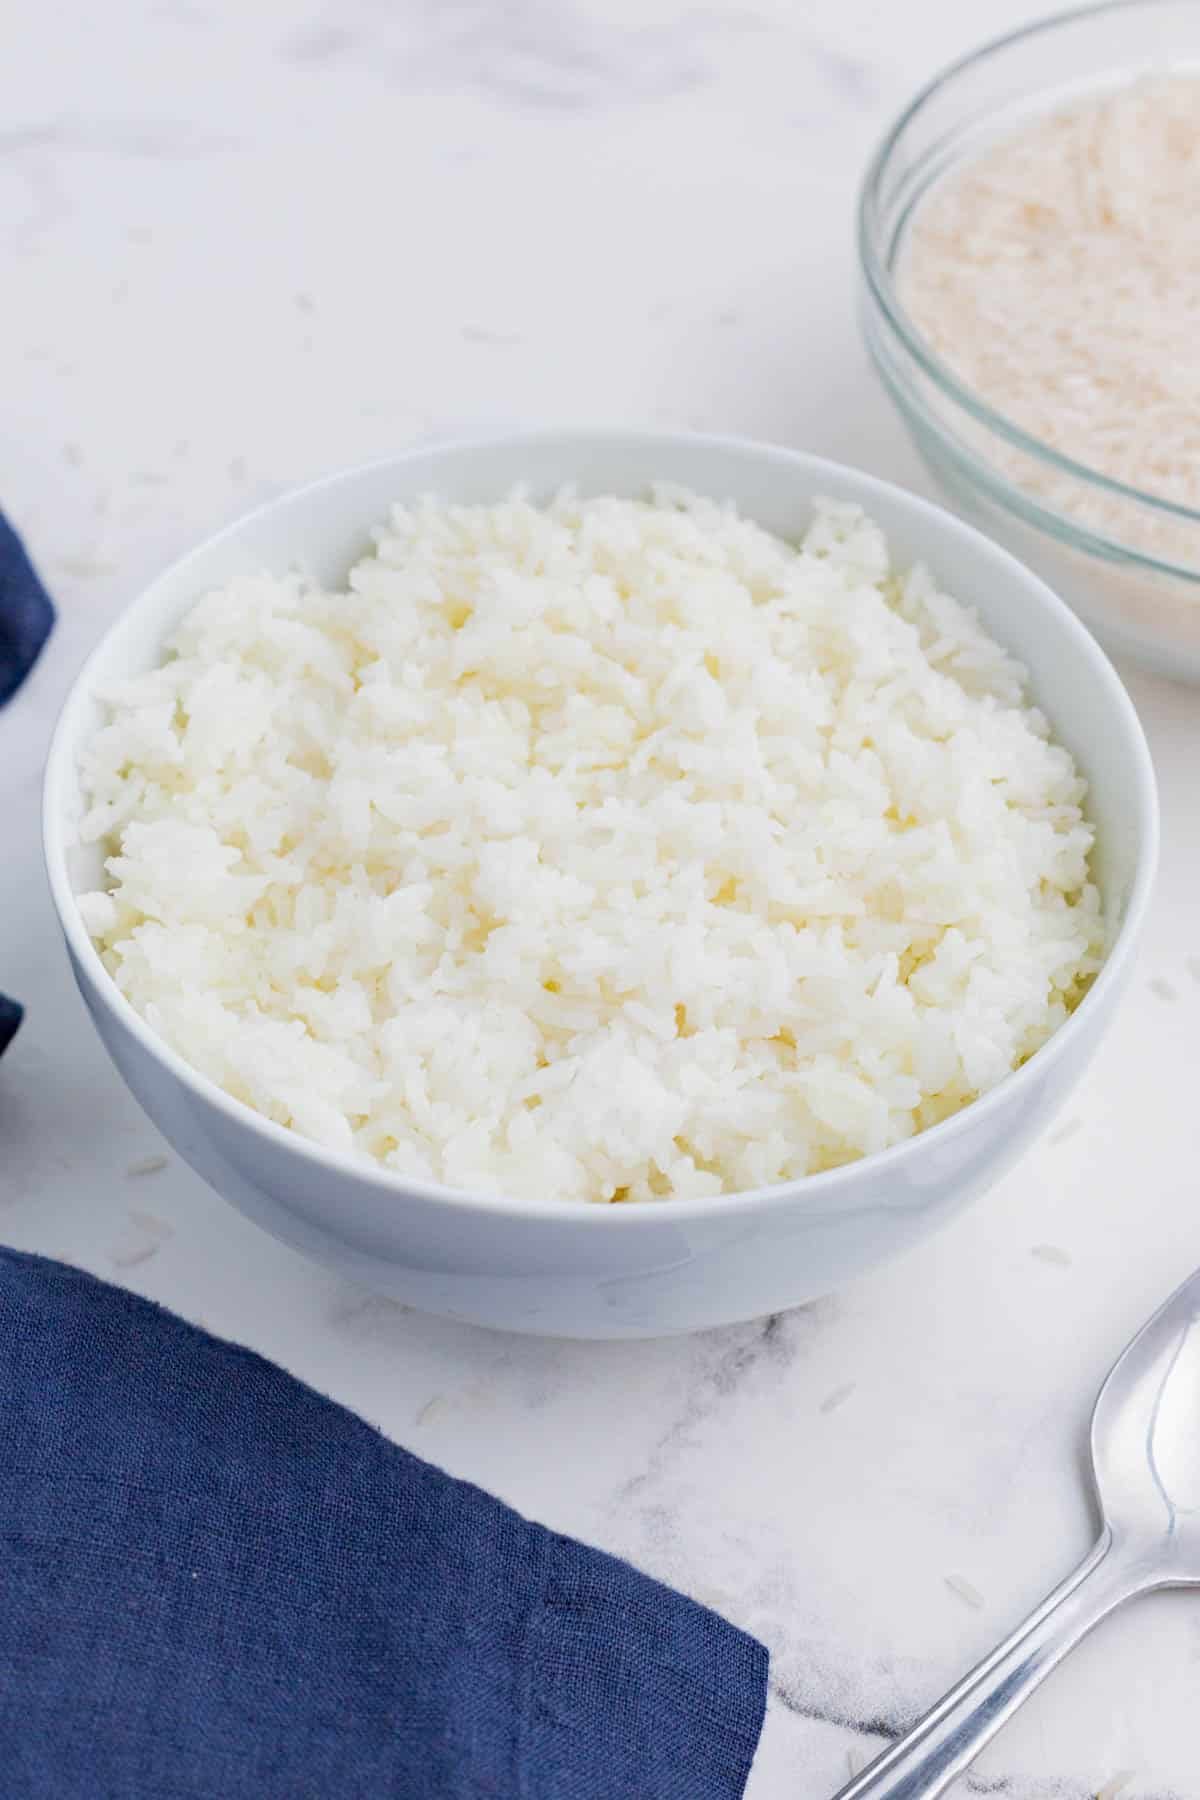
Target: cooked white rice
<point>604,850</point>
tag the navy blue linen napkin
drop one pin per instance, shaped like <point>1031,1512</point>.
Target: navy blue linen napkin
<point>216,1584</point>
<point>26,615</point>
<point>26,619</point>
<point>10,1018</point>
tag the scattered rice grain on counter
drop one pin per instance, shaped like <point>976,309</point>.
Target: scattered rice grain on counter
<point>134,1254</point>
<point>146,1165</point>
<point>838,1397</point>
<point>151,1224</point>
<point>1052,1253</point>
<point>604,850</point>
<point>970,1596</point>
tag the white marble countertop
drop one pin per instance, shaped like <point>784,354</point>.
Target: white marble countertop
<point>244,244</point>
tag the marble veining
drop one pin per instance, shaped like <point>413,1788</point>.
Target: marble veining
<point>116,137</point>
<point>245,245</point>
<point>533,54</point>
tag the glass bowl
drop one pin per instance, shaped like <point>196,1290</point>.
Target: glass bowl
<point>1126,561</point>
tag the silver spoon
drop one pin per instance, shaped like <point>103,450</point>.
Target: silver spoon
<point>1146,1465</point>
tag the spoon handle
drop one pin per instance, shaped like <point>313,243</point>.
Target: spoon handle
<point>924,1762</point>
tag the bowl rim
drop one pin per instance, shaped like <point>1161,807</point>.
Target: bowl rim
<point>748,1202</point>
<point>883,289</point>
<point>999,489</point>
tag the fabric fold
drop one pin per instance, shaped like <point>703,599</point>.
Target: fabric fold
<point>214,1581</point>
<point>26,614</point>
<point>26,621</point>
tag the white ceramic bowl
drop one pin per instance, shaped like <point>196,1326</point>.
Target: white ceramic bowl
<point>558,1267</point>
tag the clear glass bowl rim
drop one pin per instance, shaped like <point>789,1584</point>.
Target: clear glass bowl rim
<point>883,290</point>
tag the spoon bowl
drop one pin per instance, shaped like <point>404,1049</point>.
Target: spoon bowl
<point>1145,1442</point>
